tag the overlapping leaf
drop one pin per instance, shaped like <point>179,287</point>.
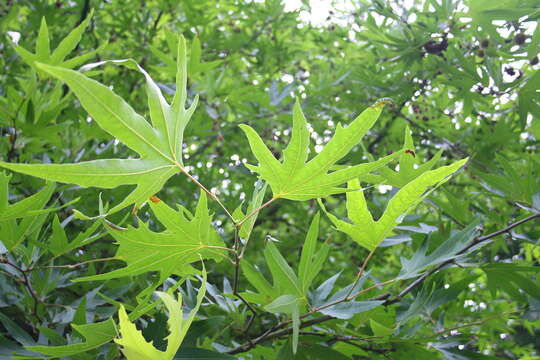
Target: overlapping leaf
<point>159,146</point>
<point>134,345</point>
<point>195,63</point>
<point>187,239</point>
<point>295,179</point>
<point>30,206</point>
<point>370,233</point>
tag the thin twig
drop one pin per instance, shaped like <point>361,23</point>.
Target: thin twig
<point>203,188</point>
<point>27,284</point>
<point>256,211</point>
<point>360,272</point>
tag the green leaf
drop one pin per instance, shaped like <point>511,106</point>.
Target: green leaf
<point>135,347</point>
<point>347,310</point>
<point>295,179</point>
<point>60,245</point>
<point>29,210</point>
<point>528,99</point>
<point>380,330</point>
<point>290,305</point>
<point>311,261</point>
<point>407,161</point>
<point>282,274</point>
<point>370,233</point>
<point>59,242</point>
<point>15,331</point>
<point>171,251</point>
<point>448,250</point>
<point>160,147</point>
<point>256,279</point>
<point>95,335</point>
<point>256,200</point>
<point>30,206</point>
<point>66,46</point>
<point>509,278</point>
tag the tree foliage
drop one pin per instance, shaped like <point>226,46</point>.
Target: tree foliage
<point>250,180</point>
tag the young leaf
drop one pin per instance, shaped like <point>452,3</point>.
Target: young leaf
<point>135,347</point>
<point>295,179</point>
<point>171,251</point>
<point>370,233</point>
<point>29,210</point>
<point>59,244</point>
<point>95,335</point>
<point>284,278</point>
<point>256,201</point>
<point>160,147</point>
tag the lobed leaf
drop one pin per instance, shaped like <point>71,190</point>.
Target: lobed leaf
<point>295,179</point>
<point>159,146</point>
<point>370,233</point>
<point>95,335</point>
<point>171,251</point>
<point>133,344</point>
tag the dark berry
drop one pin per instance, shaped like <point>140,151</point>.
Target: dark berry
<point>520,38</point>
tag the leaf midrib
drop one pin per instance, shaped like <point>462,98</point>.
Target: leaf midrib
<point>126,124</point>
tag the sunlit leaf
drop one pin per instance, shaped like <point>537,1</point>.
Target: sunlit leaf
<point>295,179</point>
<point>184,241</point>
<point>160,145</point>
<point>368,232</point>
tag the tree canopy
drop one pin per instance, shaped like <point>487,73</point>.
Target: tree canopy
<point>353,179</point>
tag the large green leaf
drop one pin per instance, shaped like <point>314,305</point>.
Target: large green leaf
<point>370,233</point>
<point>160,145</point>
<point>134,345</point>
<point>95,335</point>
<point>293,178</point>
<point>171,251</point>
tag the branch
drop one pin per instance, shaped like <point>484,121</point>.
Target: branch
<point>277,331</point>
<point>473,243</point>
<point>27,284</point>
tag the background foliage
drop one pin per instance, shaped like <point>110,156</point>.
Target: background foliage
<point>457,279</point>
